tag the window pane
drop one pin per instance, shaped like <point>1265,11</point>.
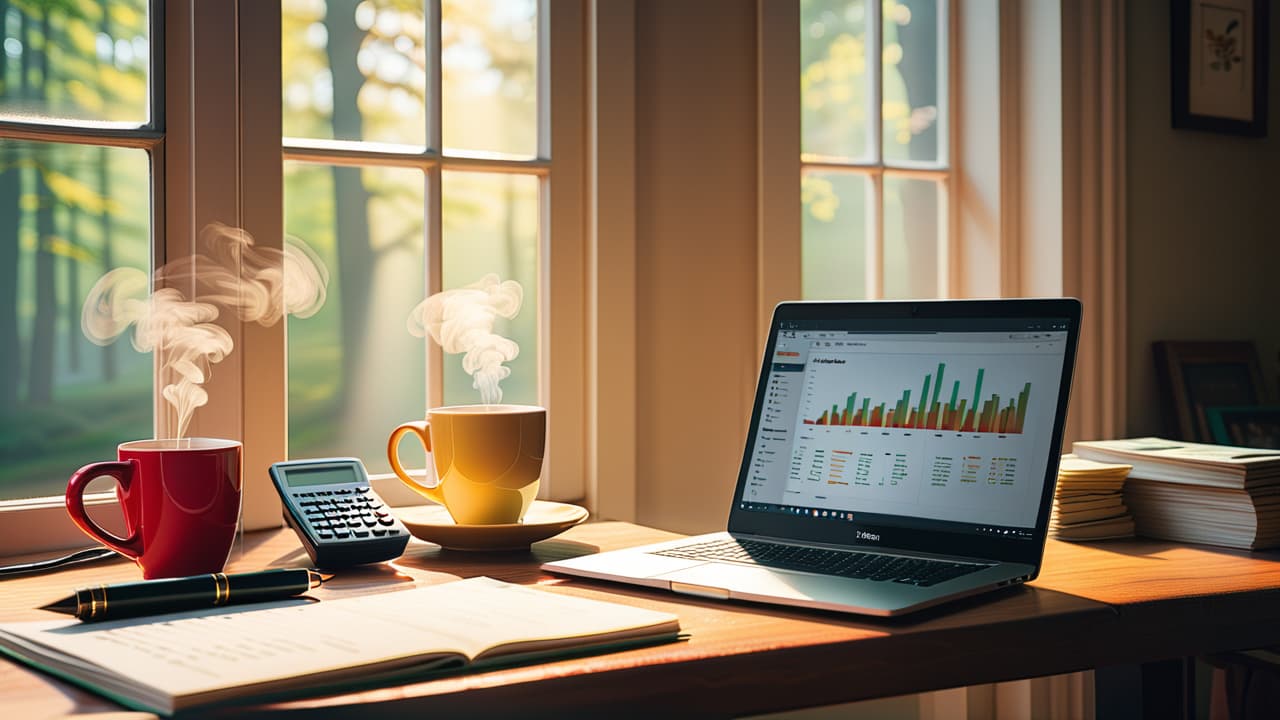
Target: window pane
<point>354,70</point>
<point>835,85</point>
<point>68,214</point>
<point>915,59</point>
<point>491,226</point>
<point>355,372</point>
<point>488,68</point>
<point>834,236</point>
<point>913,229</point>
<point>75,61</point>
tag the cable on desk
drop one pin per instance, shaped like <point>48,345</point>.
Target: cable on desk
<point>76,558</point>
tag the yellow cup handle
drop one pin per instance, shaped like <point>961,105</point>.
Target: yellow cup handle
<point>420,428</point>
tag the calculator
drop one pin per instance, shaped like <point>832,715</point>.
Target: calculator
<point>337,515</point>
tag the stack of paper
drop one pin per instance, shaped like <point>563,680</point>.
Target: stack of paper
<point>1089,504</point>
<point>1213,494</point>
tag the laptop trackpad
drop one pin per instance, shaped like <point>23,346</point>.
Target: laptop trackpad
<point>705,579</point>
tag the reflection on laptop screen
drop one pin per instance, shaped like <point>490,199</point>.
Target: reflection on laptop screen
<point>941,426</point>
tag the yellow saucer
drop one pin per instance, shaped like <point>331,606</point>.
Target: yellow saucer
<point>544,519</point>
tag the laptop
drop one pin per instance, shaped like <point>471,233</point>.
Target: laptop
<point>900,454</point>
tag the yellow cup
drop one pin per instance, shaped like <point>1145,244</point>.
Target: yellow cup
<point>487,458</point>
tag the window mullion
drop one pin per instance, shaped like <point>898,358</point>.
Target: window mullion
<point>432,45</point>
<point>945,236</point>
<point>875,216</point>
<point>433,226</point>
<point>85,134</point>
<point>544,79</point>
<point>875,238</point>
<point>264,381</point>
<point>875,36</point>
<point>561,290</point>
<point>946,26</point>
<point>433,263</point>
<point>156,65</point>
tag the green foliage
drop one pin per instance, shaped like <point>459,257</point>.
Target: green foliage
<point>80,63</point>
<point>69,8</point>
<point>41,447</point>
<point>835,86</point>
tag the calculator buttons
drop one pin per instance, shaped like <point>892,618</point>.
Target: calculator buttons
<point>341,523</point>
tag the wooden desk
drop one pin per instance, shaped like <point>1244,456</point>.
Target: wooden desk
<point>1100,604</point>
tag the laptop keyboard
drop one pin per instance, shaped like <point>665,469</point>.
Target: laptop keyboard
<point>869,566</point>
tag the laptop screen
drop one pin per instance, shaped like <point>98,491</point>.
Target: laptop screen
<point>942,424</point>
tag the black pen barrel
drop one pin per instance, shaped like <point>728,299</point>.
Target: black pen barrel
<point>155,597</point>
<point>266,585</point>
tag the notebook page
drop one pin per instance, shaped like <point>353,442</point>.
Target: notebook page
<point>206,651</point>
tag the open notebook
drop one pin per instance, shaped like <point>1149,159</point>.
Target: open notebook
<point>174,662</point>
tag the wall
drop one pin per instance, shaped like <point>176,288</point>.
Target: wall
<point>697,353</point>
<point>697,350</point>
<point>1203,221</point>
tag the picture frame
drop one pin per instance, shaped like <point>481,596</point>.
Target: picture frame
<point>1252,426</point>
<point>1219,65</point>
<point>1196,375</point>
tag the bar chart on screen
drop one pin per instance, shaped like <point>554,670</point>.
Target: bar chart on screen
<point>931,413</point>
<point>973,394</point>
<point>950,435</point>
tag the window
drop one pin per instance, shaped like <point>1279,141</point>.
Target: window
<point>875,166</point>
<point>419,134</point>
<point>80,133</point>
<point>413,164</point>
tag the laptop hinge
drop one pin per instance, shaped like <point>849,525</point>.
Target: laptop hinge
<point>864,548</point>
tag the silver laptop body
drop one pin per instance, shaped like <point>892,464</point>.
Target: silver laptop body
<point>857,495</point>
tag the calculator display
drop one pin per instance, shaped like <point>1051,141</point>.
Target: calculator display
<point>320,476</point>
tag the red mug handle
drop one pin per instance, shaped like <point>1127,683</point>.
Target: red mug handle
<point>120,470</point>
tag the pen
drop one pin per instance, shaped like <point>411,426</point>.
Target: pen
<point>153,597</point>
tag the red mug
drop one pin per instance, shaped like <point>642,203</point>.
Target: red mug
<point>181,503</point>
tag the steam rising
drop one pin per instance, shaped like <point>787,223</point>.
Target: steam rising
<point>461,321</point>
<point>260,284</point>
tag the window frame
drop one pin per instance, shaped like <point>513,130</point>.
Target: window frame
<point>877,169</point>
<point>560,341</point>
<point>985,254</point>
<point>34,524</point>
<point>220,156</point>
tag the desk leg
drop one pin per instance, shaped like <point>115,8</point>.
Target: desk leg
<point>1152,691</point>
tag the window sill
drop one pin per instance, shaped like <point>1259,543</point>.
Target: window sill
<point>42,524</point>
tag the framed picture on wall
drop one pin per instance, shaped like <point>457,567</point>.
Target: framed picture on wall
<point>1252,426</point>
<point>1219,65</point>
<point>1194,376</point>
